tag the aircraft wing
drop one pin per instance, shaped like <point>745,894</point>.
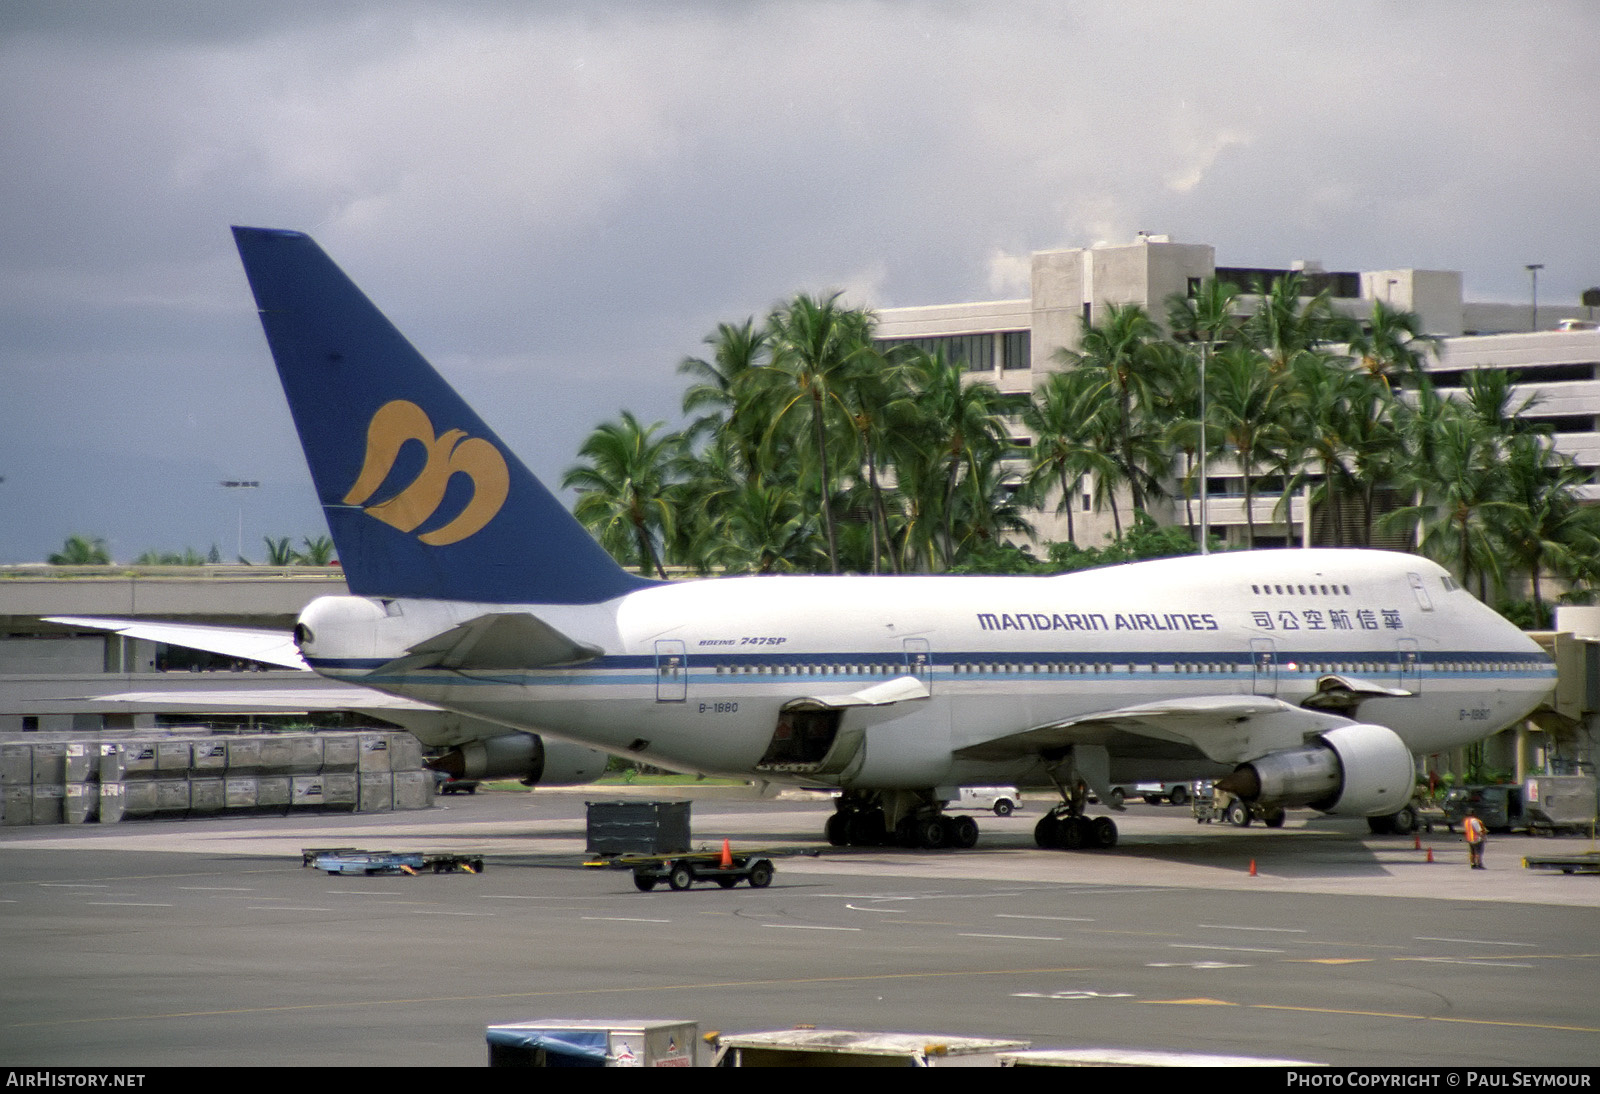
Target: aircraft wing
<point>274,647</point>
<point>1227,729</point>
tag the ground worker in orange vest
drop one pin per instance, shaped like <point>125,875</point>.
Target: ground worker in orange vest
<point>1474,831</point>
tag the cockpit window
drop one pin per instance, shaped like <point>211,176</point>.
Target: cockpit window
<point>1420,592</point>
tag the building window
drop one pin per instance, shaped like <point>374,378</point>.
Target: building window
<point>1016,350</point>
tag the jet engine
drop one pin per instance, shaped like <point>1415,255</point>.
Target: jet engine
<point>1353,771</point>
<point>534,760</point>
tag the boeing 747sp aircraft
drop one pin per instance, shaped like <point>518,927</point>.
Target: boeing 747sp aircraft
<point>1297,677</point>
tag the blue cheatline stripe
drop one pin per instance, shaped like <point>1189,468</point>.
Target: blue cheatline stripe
<point>707,662</point>
<point>634,670</point>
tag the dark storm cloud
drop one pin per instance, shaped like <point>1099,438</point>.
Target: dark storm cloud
<point>557,201</point>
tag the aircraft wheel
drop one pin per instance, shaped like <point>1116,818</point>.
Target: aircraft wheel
<point>867,829</point>
<point>680,878</point>
<point>963,832</point>
<point>760,875</point>
<point>1047,833</point>
<point>1275,818</point>
<point>1103,831</point>
<point>643,882</point>
<point>838,830</point>
<point>932,833</point>
<point>1179,795</point>
<point>1074,833</point>
<point>1404,822</point>
<point>1238,814</point>
<point>1381,826</point>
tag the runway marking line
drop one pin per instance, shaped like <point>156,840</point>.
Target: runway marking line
<point>576,992</point>
<point>1237,927</point>
<point>1475,941</point>
<point>807,927</point>
<point>1052,918</point>
<point>1427,1018</point>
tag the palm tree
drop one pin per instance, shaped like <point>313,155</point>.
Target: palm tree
<point>963,427</point>
<point>1391,344</point>
<point>314,552</point>
<point>280,551</point>
<point>723,393</point>
<point>1209,316</point>
<point>1287,323</point>
<point>879,400</point>
<point>814,344</point>
<point>1545,527</point>
<point>1129,363</point>
<point>1453,469</point>
<point>763,529</point>
<point>80,550</point>
<point>623,489</point>
<point>1064,417</point>
<point>1245,407</point>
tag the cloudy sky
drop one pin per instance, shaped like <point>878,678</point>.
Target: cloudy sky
<point>557,201</point>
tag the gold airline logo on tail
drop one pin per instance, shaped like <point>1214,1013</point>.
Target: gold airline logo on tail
<point>400,421</point>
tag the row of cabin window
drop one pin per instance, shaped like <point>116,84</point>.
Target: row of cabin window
<point>1301,590</point>
<point>813,670</point>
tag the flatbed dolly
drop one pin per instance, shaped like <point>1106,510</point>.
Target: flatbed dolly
<point>353,860</point>
<point>682,870</point>
<point>1568,864</point>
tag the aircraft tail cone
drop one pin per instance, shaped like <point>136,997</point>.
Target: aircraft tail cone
<point>726,861</point>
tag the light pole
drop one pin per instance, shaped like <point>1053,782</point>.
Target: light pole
<point>1533,268</point>
<point>240,484</point>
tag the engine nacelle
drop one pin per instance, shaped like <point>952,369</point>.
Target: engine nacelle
<point>534,760</point>
<point>1353,771</point>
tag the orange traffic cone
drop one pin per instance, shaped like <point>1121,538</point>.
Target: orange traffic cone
<point>1417,846</point>
<point>1252,867</point>
<point>1430,854</point>
<point>727,855</point>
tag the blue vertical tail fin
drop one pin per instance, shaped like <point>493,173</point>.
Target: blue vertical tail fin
<point>422,499</point>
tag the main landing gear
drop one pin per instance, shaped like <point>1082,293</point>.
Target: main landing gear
<point>1060,830</point>
<point>897,818</point>
<point>1065,828</point>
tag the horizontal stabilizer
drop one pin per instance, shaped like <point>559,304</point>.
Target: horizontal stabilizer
<point>898,690</point>
<point>267,700</point>
<point>273,647</point>
<point>497,642</point>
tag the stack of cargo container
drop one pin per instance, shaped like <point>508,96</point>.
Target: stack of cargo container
<point>76,781</point>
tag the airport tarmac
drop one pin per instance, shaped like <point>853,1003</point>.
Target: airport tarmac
<point>179,942</point>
